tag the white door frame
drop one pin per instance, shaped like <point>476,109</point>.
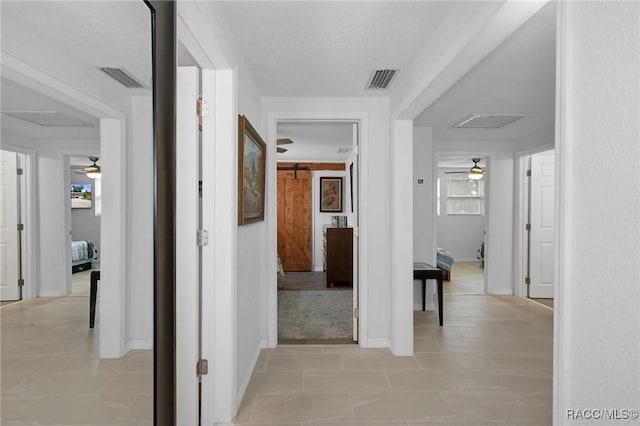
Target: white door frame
<point>271,216</point>
<point>521,209</point>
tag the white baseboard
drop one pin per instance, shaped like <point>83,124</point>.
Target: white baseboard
<point>264,343</point>
<point>376,343</point>
<point>50,294</point>
<point>428,306</point>
<point>318,269</point>
<point>469,259</point>
<point>139,345</point>
<point>501,292</point>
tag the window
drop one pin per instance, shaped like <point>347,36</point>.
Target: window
<point>465,196</point>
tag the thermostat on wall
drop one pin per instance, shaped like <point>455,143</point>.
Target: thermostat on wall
<point>420,181</point>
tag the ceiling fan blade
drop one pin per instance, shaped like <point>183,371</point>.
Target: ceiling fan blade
<point>283,141</point>
<point>456,173</point>
<point>281,150</point>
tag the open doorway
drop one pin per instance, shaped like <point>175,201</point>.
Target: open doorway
<point>538,214</point>
<point>461,222</point>
<point>317,231</point>
<point>85,209</point>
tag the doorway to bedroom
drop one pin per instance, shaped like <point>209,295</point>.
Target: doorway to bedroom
<point>85,210</point>
<point>317,231</point>
<point>461,223</point>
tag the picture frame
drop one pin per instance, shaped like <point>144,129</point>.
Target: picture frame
<point>81,196</point>
<point>331,194</point>
<point>251,173</point>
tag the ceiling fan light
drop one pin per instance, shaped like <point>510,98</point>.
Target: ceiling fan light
<point>476,173</point>
<point>93,172</point>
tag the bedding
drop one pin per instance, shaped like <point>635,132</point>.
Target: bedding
<point>82,254</point>
<point>444,261</point>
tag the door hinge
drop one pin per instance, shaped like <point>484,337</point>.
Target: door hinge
<point>528,173</point>
<point>200,189</point>
<point>356,313</point>
<point>21,227</point>
<point>202,108</point>
<point>19,171</point>
<point>527,227</point>
<point>355,150</point>
<point>202,367</point>
<point>203,237</point>
<point>21,282</point>
<point>527,280</point>
<point>356,231</point>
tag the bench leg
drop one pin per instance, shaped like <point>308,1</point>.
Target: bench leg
<point>440,301</point>
<point>92,300</point>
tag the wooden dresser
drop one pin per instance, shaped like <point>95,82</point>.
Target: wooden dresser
<point>339,256</point>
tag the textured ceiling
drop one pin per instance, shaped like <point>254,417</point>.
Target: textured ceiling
<point>331,48</point>
<point>517,77</point>
<point>95,33</point>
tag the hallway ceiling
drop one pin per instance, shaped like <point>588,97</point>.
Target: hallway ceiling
<point>518,77</point>
<point>316,141</point>
<point>326,49</point>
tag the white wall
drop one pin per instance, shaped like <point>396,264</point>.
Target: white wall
<point>319,219</point>
<point>597,291</point>
<point>375,274</point>
<point>423,210</point>
<point>140,225</point>
<point>459,234</point>
<point>252,255</point>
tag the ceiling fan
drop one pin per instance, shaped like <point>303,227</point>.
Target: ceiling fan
<point>282,141</point>
<point>93,171</point>
<point>475,173</point>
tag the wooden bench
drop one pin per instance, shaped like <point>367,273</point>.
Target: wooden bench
<point>424,271</point>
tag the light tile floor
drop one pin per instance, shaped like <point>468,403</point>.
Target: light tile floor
<point>491,364</point>
<point>50,372</point>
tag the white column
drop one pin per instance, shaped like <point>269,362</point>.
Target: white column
<point>402,238</point>
<point>113,229</point>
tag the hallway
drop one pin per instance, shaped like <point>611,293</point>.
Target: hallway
<point>491,364</point>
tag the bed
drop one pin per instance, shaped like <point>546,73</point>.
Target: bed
<point>82,255</point>
<point>445,261</point>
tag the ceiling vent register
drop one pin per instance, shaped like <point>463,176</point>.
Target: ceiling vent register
<point>123,77</point>
<point>381,79</point>
<point>488,121</point>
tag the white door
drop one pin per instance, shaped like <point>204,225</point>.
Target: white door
<point>187,251</point>
<point>542,242</point>
<point>9,289</point>
<point>353,205</point>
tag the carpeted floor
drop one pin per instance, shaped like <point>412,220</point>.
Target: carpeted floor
<point>309,312</point>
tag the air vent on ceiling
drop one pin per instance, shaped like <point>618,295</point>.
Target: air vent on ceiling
<point>381,79</point>
<point>343,150</point>
<point>488,121</point>
<point>123,77</point>
<point>48,118</point>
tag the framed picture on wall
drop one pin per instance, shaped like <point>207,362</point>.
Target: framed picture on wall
<point>81,195</point>
<point>251,173</point>
<point>331,194</point>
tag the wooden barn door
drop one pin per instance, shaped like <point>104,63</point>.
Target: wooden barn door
<point>294,220</point>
